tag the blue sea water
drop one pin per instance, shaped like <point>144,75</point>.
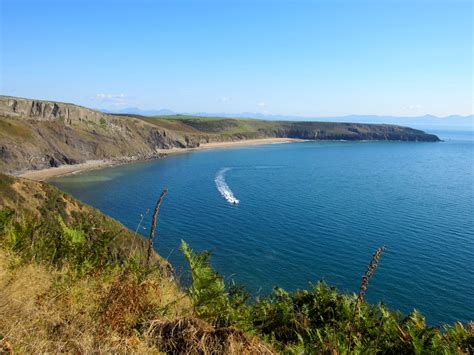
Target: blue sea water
<point>313,210</point>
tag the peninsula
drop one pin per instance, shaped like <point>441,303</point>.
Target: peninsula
<point>37,135</point>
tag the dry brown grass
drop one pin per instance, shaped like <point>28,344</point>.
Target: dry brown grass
<point>130,302</point>
<point>125,303</point>
<point>42,311</point>
<point>194,336</point>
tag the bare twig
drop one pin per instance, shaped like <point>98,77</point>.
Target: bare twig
<point>153,225</point>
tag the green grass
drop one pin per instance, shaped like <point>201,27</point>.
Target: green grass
<point>212,125</point>
<point>319,319</point>
<point>83,263</point>
<point>40,221</point>
<point>73,279</point>
<point>221,128</point>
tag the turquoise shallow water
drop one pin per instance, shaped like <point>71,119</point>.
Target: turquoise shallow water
<point>314,210</point>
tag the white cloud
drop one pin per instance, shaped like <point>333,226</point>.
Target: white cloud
<point>415,107</point>
<point>224,99</point>
<point>112,99</point>
<point>261,104</point>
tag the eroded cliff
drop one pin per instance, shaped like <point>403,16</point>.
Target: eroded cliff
<point>37,134</point>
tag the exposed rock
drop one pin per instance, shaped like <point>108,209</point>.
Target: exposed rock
<point>36,134</point>
<point>46,110</point>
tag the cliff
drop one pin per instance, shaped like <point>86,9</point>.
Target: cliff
<point>36,134</point>
<point>40,134</point>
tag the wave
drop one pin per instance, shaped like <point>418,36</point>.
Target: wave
<point>223,188</point>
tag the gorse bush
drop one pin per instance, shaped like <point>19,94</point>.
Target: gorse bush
<point>319,319</point>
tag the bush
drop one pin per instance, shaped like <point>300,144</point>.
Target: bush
<point>53,241</point>
<point>207,291</point>
<point>318,320</point>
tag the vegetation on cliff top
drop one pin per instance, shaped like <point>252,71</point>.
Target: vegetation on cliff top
<point>223,128</point>
<point>72,279</point>
<point>37,134</point>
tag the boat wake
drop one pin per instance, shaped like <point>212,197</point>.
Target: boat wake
<point>223,188</point>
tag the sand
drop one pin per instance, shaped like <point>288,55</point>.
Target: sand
<point>45,174</point>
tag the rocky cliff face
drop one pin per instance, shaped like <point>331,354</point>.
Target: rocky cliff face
<point>46,110</point>
<point>36,134</point>
<point>40,134</point>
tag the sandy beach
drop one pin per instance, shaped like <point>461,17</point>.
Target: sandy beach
<point>45,174</point>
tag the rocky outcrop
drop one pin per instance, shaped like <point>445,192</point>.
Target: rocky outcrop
<point>47,110</point>
<point>355,132</point>
<point>36,134</point>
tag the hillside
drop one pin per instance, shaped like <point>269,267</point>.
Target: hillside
<point>37,134</point>
<point>74,280</point>
<point>40,134</point>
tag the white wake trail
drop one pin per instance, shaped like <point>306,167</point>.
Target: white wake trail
<point>223,188</point>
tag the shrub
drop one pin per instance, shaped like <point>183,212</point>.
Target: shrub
<point>319,319</point>
<point>54,242</point>
<point>207,292</point>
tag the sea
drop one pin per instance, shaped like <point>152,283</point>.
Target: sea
<point>289,215</point>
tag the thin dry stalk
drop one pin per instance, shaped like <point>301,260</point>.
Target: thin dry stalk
<point>374,262</point>
<point>368,274</point>
<point>134,248</point>
<point>153,225</point>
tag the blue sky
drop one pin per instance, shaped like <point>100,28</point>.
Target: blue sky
<point>310,58</point>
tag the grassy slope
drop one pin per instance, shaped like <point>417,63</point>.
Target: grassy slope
<point>53,299</point>
<point>45,203</point>
<point>27,143</point>
<point>75,280</point>
<point>220,128</point>
<point>72,279</point>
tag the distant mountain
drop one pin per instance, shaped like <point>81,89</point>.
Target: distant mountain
<point>426,121</point>
<point>454,121</point>
<point>422,122</point>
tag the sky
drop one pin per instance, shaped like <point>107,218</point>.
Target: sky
<point>308,58</point>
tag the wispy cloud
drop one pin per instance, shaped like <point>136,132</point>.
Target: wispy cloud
<point>261,104</point>
<point>111,99</point>
<point>224,99</point>
<point>415,107</point>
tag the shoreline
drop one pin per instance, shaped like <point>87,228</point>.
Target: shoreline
<point>49,173</point>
